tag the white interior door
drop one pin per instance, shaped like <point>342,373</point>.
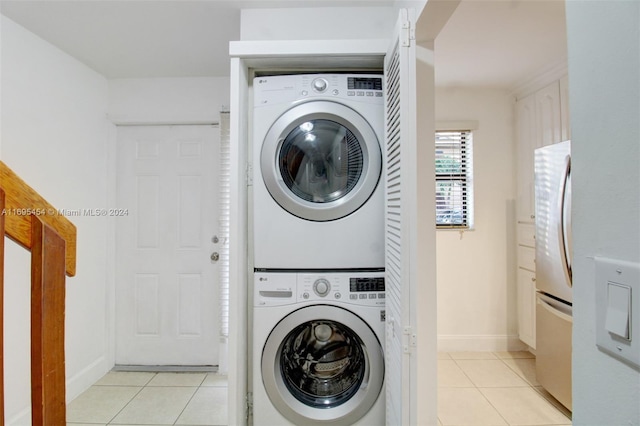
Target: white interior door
<point>167,282</point>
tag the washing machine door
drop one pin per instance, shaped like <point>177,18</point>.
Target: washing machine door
<point>321,160</point>
<point>322,365</point>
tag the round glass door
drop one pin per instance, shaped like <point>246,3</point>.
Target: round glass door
<point>322,364</point>
<point>321,161</point>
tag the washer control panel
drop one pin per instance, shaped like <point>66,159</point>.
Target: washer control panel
<point>271,90</point>
<point>284,288</point>
<point>360,288</point>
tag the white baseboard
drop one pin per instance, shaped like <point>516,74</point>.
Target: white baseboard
<point>83,380</point>
<point>75,386</point>
<point>480,343</point>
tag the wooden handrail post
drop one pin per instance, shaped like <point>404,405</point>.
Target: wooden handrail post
<point>32,222</point>
<point>48,392</point>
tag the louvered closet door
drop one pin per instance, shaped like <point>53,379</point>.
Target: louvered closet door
<point>400,173</point>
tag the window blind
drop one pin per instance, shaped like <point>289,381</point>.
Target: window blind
<point>225,199</point>
<point>454,172</point>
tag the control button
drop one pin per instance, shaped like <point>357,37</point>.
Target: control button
<point>353,296</point>
<point>363,296</point>
<point>305,295</point>
<point>378,94</point>
<point>360,93</point>
<point>381,296</point>
<point>304,93</point>
<point>319,84</point>
<point>372,296</point>
<point>351,93</point>
<point>337,295</point>
<point>335,92</point>
<point>369,93</point>
<point>321,287</point>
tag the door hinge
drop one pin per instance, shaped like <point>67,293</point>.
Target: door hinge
<point>407,33</point>
<point>249,174</point>
<point>409,340</point>
<point>249,401</point>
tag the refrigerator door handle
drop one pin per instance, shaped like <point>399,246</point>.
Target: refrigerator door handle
<point>552,310</point>
<point>562,225</point>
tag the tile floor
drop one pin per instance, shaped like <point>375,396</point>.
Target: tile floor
<point>142,398</point>
<point>474,388</point>
<point>494,388</point>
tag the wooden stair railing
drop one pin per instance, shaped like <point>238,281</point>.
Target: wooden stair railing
<point>32,222</point>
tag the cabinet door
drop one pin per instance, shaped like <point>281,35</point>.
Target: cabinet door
<point>548,115</point>
<point>564,108</point>
<point>527,143</point>
<point>526,257</point>
<point>526,233</point>
<point>527,307</point>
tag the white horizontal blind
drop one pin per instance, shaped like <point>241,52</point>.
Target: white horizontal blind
<point>454,179</point>
<point>225,204</point>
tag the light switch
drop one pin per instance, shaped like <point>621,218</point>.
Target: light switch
<point>617,291</point>
<point>618,309</point>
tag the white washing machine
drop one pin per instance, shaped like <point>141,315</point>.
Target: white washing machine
<point>317,197</point>
<point>318,355</point>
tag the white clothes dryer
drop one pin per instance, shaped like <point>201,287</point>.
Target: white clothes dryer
<point>317,198</point>
<point>318,356</point>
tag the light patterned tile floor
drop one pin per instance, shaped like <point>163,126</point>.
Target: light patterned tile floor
<point>474,388</point>
<point>494,388</point>
<point>143,398</point>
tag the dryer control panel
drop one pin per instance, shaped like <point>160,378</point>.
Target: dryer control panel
<point>273,90</point>
<point>283,288</point>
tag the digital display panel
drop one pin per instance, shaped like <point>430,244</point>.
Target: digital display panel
<point>365,83</point>
<point>366,284</point>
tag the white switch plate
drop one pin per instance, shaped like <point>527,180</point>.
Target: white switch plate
<point>617,274</point>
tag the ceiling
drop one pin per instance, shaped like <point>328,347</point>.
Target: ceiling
<point>485,43</point>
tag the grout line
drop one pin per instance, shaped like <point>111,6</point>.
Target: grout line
<point>529,385</point>
<point>125,405</point>
<point>186,405</point>
<point>487,399</point>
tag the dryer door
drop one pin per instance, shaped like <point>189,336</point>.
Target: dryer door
<point>322,364</point>
<point>321,161</point>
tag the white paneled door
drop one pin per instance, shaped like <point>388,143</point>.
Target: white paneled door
<point>167,276</point>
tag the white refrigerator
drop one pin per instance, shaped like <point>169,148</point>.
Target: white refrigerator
<point>554,315</point>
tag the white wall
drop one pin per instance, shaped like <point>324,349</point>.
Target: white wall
<point>317,23</point>
<point>54,134</point>
<point>168,100</point>
<point>476,269</point>
<point>604,91</point>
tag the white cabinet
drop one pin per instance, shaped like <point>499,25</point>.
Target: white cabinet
<point>564,108</point>
<point>526,284</point>
<point>527,135</point>
<point>526,306</point>
<point>539,123</point>
<point>548,115</point>
<point>542,118</point>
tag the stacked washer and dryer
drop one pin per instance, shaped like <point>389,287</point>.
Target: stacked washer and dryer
<point>318,250</point>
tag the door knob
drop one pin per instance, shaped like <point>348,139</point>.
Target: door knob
<point>215,256</point>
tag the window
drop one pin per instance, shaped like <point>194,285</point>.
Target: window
<point>454,183</point>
